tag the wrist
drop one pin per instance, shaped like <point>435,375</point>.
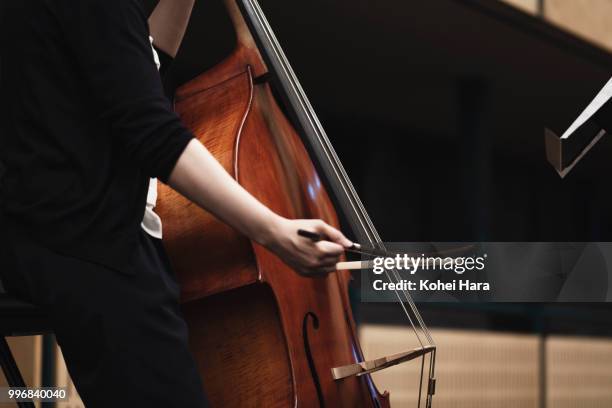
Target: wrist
<point>266,232</point>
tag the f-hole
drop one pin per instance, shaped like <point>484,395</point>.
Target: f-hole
<point>311,364</point>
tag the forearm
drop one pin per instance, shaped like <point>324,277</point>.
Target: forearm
<point>168,24</point>
<point>199,177</point>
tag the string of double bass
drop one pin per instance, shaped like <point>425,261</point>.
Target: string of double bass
<point>347,187</point>
<point>349,190</point>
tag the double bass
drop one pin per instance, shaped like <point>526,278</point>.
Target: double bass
<point>262,335</point>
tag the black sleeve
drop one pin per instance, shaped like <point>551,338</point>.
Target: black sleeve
<point>110,43</point>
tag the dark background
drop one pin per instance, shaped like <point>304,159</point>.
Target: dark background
<point>437,110</point>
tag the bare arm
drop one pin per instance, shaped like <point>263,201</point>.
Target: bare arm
<point>168,24</point>
<point>198,176</point>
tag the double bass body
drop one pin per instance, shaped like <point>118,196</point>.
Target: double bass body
<point>262,335</point>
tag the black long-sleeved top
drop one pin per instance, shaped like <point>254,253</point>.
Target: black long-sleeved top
<point>84,123</point>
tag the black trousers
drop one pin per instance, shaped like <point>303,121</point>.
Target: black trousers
<point>123,337</point>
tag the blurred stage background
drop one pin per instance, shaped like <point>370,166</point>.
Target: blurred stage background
<point>437,109</point>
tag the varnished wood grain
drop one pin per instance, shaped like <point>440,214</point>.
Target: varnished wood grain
<point>238,341</point>
<point>193,236</point>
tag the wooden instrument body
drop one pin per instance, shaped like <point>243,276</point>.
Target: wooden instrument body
<point>262,335</point>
